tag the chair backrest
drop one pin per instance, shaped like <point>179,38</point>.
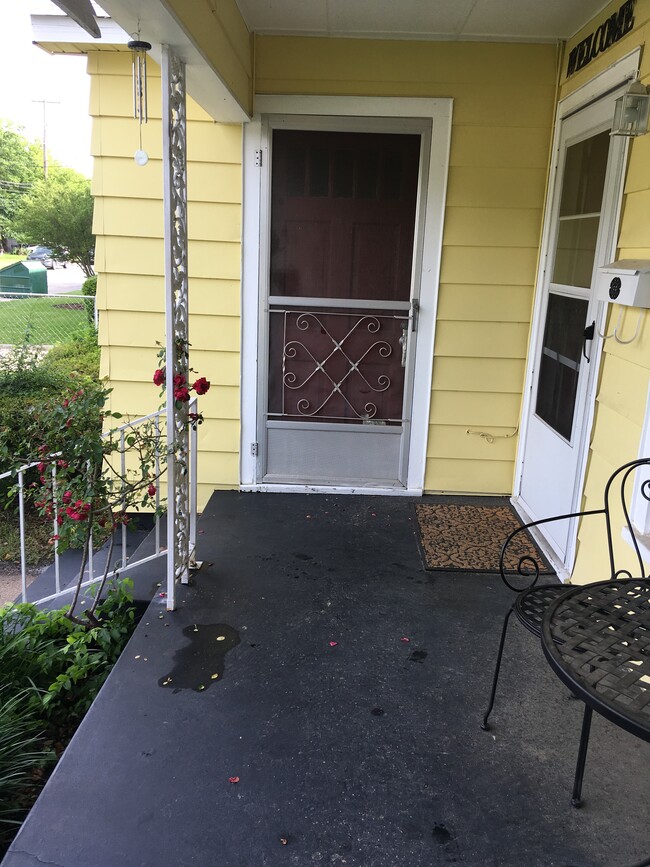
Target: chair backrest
<point>617,488</point>
<point>617,485</point>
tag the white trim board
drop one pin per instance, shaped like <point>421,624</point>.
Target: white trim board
<point>255,210</point>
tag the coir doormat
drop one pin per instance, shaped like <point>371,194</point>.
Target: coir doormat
<point>468,538</point>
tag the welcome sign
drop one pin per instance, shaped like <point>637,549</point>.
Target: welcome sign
<point>609,32</point>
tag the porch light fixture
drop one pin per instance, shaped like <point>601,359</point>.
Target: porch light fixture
<point>631,110</point>
<point>139,50</point>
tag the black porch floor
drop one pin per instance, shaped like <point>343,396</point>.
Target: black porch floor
<point>368,752</point>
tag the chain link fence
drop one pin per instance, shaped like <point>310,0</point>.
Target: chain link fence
<point>43,320</point>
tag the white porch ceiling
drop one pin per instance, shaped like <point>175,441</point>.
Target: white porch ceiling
<point>512,20</point>
<point>486,20</point>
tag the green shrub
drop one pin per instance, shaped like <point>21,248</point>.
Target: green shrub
<point>65,662</point>
<point>50,670</point>
<point>30,382</point>
<point>78,359</point>
<point>22,755</point>
<point>26,383</point>
<point>90,288</point>
<point>38,532</point>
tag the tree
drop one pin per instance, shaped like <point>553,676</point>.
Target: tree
<point>20,167</point>
<point>58,213</point>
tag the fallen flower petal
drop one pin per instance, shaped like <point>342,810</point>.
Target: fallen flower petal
<point>233,779</point>
<point>405,639</point>
<point>333,643</point>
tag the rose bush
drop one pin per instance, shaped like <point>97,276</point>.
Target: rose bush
<point>89,479</point>
<point>182,387</point>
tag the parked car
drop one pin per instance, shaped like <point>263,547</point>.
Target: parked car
<point>44,255</point>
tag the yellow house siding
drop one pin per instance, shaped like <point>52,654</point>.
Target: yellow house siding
<point>495,196</point>
<point>625,369</point>
<point>128,221</point>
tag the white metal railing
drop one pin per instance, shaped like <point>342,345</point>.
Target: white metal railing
<point>123,562</point>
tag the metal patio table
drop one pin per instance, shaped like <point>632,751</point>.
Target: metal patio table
<point>597,640</point>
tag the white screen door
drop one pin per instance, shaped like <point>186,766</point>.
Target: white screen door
<point>343,217</point>
<point>583,211</point>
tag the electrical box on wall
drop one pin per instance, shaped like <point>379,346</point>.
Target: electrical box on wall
<point>626,281</point>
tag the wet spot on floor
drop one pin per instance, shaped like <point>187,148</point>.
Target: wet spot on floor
<point>201,663</point>
<point>377,711</point>
<point>418,656</point>
<point>441,835</point>
<point>303,556</point>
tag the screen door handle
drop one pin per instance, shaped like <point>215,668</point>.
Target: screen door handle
<point>415,314</point>
<point>588,334</point>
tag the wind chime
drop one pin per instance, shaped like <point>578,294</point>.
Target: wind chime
<point>140,109</point>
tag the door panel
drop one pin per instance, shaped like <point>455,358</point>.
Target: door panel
<point>583,210</point>
<point>343,210</point>
<point>560,361</point>
<point>336,366</point>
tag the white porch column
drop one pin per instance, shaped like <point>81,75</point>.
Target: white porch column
<point>176,318</point>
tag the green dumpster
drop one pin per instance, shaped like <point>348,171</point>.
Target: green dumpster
<point>29,278</point>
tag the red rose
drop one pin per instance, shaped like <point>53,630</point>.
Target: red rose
<point>151,490</point>
<point>59,519</point>
<point>41,467</point>
<point>159,376</point>
<point>179,380</point>
<point>67,497</point>
<point>201,386</point>
<point>181,394</point>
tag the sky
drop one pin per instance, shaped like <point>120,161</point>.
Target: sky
<point>27,73</point>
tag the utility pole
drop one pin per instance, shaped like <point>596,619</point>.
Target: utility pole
<point>45,103</point>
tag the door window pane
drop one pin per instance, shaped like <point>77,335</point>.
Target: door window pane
<point>576,248</point>
<point>584,176</point>
<point>560,362</point>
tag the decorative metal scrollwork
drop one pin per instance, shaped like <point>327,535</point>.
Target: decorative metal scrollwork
<point>339,349</point>
<point>179,497</point>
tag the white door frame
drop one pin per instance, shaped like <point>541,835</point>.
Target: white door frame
<point>614,76</point>
<point>429,228</point>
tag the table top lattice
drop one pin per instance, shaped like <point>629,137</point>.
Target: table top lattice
<point>597,638</point>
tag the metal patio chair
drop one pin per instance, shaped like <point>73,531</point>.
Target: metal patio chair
<point>532,600</point>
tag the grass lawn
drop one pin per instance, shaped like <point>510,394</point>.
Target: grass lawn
<point>45,320</point>
<point>9,259</point>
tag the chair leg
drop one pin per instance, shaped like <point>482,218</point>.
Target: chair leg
<point>576,799</point>
<point>485,725</point>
